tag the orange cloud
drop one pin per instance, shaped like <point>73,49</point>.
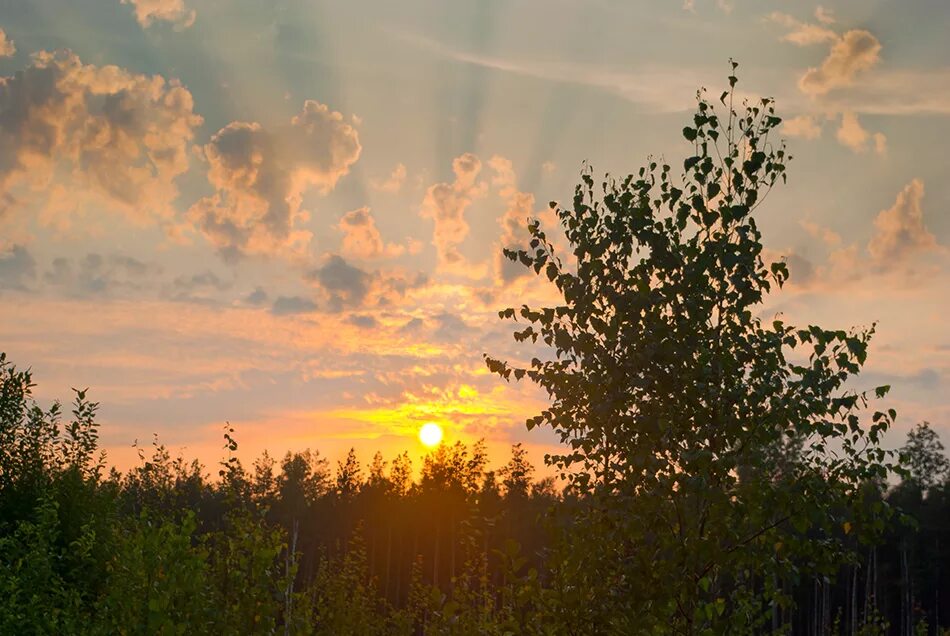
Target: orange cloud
<point>7,47</point>
<point>118,135</point>
<point>804,33</point>
<point>900,230</point>
<point>261,176</point>
<point>853,53</point>
<point>446,203</point>
<point>514,222</point>
<point>361,238</point>
<point>803,126</point>
<point>148,12</point>
<point>393,184</point>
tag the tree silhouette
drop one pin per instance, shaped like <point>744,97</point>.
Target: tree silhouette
<point>672,395</point>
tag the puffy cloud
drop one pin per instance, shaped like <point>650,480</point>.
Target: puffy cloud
<point>854,52</point>
<point>802,126</point>
<point>853,135</point>
<point>899,230</point>
<point>346,285</point>
<point>17,267</point>
<point>394,183</point>
<point>261,176</point>
<point>120,137</point>
<point>446,203</point>
<point>148,12</point>
<point>7,47</point>
<point>514,222</point>
<point>361,238</point>
<point>289,305</point>
<point>803,33</point>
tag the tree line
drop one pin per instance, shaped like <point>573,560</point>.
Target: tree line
<point>719,472</point>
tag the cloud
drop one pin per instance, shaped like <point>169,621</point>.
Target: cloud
<point>451,327</point>
<point>363,321</point>
<point>825,16</point>
<point>290,305</point>
<point>803,126</point>
<point>361,238</point>
<point>803,33</point>
<point>855,52</point>
<point>148,12</point>
<point>346,285</point>
<point>7,47</point>
<point>120,137</point>
<point>95,274</point>
<point>17,267</point>
<point>658,88</point>
<point>514,221</point>
<point>393,184</point>
<point>852,134</point>
<point>204,280</point>
<point>261,176</point>
<point>446,203</point>
<point>897,92</point>
<point>256,297</point>
<point>899,235</point>
<point>899,230</point>
<point>200,287</point>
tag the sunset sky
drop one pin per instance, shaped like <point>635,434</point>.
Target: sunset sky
<point>288,214</point>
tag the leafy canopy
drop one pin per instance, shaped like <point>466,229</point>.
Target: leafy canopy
<point>721,448</point>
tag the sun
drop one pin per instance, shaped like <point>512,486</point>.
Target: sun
<point>430,434</point>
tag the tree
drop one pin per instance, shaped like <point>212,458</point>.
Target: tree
<point>924,458</point>
<point>673,396</point>
<point>517,473</point>
<point>348,475</point>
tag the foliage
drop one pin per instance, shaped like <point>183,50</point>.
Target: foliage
<point>720,451</point>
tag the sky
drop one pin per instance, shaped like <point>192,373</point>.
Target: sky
<point>289,215</point>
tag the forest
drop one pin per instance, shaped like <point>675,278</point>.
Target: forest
<point>720,474</point>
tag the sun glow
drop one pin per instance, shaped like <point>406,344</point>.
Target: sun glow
<point>430,434</point>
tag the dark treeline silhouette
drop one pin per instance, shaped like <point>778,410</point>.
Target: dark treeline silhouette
<point>300,546</point>
<point>720,474</point>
